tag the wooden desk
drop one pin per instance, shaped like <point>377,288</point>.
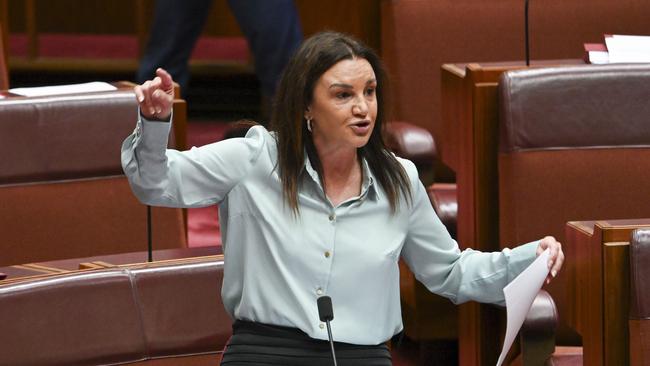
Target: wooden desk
<point>602,287</point>
<point>24,271</point>
<point>180,110</point>
<point>468,144</point>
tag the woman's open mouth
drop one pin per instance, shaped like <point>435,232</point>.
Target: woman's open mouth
<point>361,127</point>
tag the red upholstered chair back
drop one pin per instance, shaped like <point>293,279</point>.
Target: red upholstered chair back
<point>62,188</point>
<point>639,322</point>
<point>574,145</point>
<point>160,313</point>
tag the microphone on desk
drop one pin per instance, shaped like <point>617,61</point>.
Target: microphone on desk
<point>326,314</point>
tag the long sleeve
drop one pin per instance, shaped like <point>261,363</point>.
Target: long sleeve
<point>198,177</point>
<point>437,262</point>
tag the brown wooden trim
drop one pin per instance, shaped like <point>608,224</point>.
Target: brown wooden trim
<point>616,288</point>
<point>586,227</point>
<point>89,265</point>
<point>4,45</point>
<point>45,269</point>
<point>207,258</point>
<point>32,32</point>
<point>141,26</point>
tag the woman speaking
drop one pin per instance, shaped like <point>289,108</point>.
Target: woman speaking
<point>316,206</point>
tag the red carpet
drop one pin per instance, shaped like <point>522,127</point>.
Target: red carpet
<point>115,47</point>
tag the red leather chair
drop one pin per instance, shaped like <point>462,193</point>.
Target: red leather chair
<point>62,188</point>
<point>144,314</point>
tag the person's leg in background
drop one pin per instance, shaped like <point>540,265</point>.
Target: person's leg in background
<point>174,31</point>
<point>273,31</point>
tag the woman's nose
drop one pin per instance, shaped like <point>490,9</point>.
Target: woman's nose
<point>360,107</point>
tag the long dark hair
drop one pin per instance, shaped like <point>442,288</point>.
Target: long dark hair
<point>295,91</point>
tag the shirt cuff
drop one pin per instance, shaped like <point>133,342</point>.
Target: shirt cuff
<point>520,258</point>
<point>153,132</point>
<point>143,118</point>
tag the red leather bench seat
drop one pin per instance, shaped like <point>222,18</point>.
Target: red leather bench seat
<point>136,313</point>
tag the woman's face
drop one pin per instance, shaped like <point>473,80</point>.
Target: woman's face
<point>344,106</point>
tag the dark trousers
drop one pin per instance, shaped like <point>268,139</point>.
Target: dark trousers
<point>255,344</point>
<point>272,29</point>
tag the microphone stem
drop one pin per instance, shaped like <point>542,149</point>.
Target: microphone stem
<point>329,333</point>
<point>149,241</point>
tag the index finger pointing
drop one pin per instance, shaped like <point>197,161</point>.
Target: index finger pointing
<point>167,82</point>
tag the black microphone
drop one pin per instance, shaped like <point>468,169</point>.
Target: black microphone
<point>149,241</point>
<point>326,314</point>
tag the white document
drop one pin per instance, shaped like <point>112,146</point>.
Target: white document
<point>599,57</point>
<point>520,294</point>
<point>628,49</point>
<point>95,86</point>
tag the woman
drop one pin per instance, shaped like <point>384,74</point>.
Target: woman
<point>317,207</point>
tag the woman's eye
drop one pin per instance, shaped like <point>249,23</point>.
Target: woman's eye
<point>343,95</point>
<point>370,91</point>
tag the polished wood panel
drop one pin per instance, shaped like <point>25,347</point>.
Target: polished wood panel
<point>419,36</point>
<point>602,287</point>
<point>473,120</point>
<point>639,345</point>
<point>4,74</point>
<point>4,44</point>
<point>359,18</point>
<point>616,288</point>
<point>452,79</point>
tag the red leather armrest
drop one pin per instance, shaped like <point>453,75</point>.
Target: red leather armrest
<point>411,142</point>
<point>445,202</point>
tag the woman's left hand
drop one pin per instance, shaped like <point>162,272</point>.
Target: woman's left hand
<point>556,256</point>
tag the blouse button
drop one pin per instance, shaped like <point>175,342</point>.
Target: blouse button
<point>319,291</point>
<point>321,326</point>
<point>332,217</point>
<point>327,254</point>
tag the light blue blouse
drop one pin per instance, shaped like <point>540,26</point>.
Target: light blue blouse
<point>277,264</point>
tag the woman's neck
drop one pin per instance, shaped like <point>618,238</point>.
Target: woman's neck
<point>341,174</point>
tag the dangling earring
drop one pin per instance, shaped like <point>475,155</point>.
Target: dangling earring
<point>308,124</point>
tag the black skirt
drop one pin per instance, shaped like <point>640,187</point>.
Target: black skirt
<point>261,344</point>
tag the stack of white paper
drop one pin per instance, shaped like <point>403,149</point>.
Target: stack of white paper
<point>520,294</point>
<point>95,86</point>
<point>628,49</point>
<point>598,57</point>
